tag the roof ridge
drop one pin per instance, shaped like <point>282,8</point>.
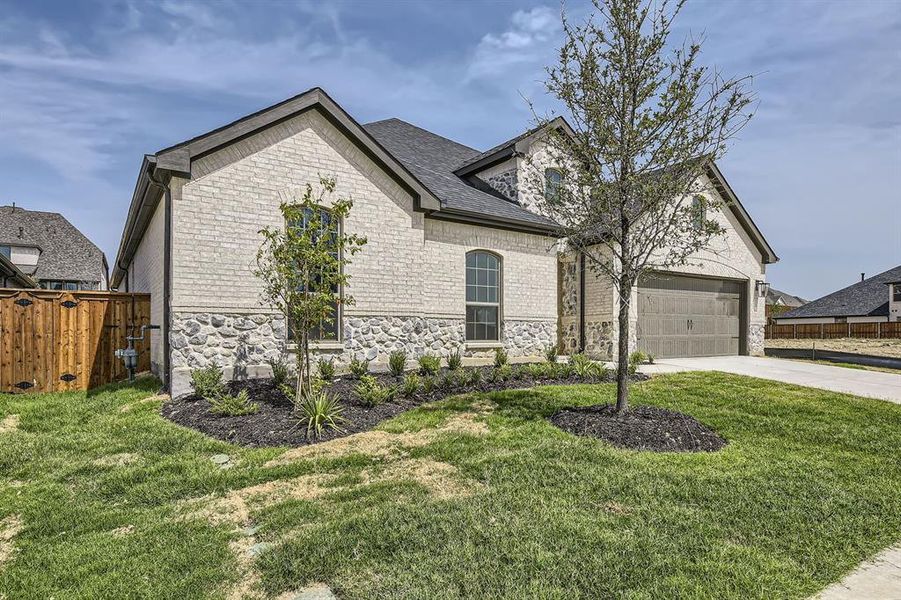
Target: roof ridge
<point>438,135</point>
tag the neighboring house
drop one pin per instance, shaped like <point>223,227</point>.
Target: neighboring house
<point>50,250</point>
<point>454,260</point>
<point>778,302</point>
<point>873,300</point>
<point>12,277</point>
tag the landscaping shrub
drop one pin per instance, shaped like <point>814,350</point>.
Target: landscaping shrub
<point>319,410</point>
<point>428,384</point>
<point>500,357</point>
<point>536,370</point>
<point>635,359</point>
<point>358,368</point>
<point>279,371</point>
<point>397,361</point>
<point>475,376</point>
<point>233,405</point>
<point>585,368</point>
<point>503,373</point>
<point>326,368</point>
<point>372,393</point>
<point>455,361</point>
<point>410,385</point>
<point>207,382</point>
<point>429,365</point>
<point>550,354</point>
<point>447,381</point>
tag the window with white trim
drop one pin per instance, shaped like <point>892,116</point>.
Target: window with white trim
<point>483,296</point>
<point>897,295</point>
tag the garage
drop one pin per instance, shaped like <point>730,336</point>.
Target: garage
<point>681,316</point>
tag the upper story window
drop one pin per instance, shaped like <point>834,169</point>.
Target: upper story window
<point>328,330</point>
<point>896,297</point>
<point>483,296</point>
<point>698,212</point>
<point>6,251</point>
<point>553,180</point>
<point>68,286</point>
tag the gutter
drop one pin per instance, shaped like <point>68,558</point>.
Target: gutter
<point>167,275</point>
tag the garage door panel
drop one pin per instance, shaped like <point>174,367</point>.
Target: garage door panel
<point>689,316</point>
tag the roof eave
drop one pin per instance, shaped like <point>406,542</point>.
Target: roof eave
<point>767,253</point>
<point>449,214</point>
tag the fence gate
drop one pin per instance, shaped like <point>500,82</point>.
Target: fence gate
<point>58,341</point>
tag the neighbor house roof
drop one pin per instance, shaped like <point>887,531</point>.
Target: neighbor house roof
<point>66,253</point>
<point>433,159</point>
<point>774,296</point>
<point>10,271</point>
<point>867,298</point>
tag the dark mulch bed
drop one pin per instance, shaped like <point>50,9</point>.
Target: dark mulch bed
<point>275,425</point>
<point>640,428</point>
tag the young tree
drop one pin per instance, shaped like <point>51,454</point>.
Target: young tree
<point>645,120</point>
<point>302,267</point>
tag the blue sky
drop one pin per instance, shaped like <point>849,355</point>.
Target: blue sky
<point>86,88</point>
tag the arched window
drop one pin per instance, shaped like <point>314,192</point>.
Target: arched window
<point>483,296</point>
<point>553,179</point>
<point>328,330</point>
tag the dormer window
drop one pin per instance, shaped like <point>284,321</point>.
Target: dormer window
<point>896,296</point>
<point>553,180</point>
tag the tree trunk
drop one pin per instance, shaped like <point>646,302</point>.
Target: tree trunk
<point>622,358</point>
<point>299,366</point>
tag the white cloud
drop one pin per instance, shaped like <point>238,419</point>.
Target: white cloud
<point>530,40</point>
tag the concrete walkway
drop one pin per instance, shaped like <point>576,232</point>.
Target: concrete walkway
<point>870,384</point>
<point>877,579</point>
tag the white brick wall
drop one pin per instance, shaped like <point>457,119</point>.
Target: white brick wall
<point>145,274</point>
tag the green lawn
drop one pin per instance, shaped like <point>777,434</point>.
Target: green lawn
<point>476,496</point>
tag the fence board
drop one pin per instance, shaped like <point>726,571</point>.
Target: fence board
<point>58,341</point>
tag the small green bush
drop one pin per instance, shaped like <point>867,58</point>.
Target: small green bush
<point>428,384</point>
<point>358,368</point>
<point>429,365</point>
<point>585,368</point>
<point>233,405</point>
<point>446,381</point>
<point>372,393</point>
<point>397,361</point>
<point>455,361</point>
<point>500,357</point>
<point>536,370</point>
<point>207,382</point>
<point>635,359</point>
<point>550,354</point>
<point>319,411</point>
<point>650,359</point>
<point>326,368</point>
<point>410,385</point>
<point>503,372</point>
<point>475,376</point>
<point>280,371</point>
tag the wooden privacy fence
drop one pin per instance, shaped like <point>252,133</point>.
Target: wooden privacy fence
<point>825,331</point>
<point>54,341</point>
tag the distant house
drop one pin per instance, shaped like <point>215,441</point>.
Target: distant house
<point>49,251</point>
<point>12,277</point>
<point>778,302</point>
<point>873,300</point>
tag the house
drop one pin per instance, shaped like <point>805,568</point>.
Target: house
<point>12,277</point>
<point>778,302</point>
<point>48,249</point>
<point>871,300</point>
<point>455,259</point>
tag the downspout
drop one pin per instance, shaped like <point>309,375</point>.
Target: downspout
<point>167,269</point>
<point>581,302</point>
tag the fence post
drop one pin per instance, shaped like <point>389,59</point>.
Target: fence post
<point>794,331</point>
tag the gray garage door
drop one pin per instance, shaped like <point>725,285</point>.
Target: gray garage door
<point>689,316</point>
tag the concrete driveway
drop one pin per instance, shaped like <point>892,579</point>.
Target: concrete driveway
<point>871,384</point>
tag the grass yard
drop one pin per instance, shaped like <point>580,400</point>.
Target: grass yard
<point>474,496</point>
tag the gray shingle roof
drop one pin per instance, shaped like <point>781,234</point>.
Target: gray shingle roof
<point>773,296</point>
<point>865,298</point>
<point>433,159</point>
<point>65,252</point>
